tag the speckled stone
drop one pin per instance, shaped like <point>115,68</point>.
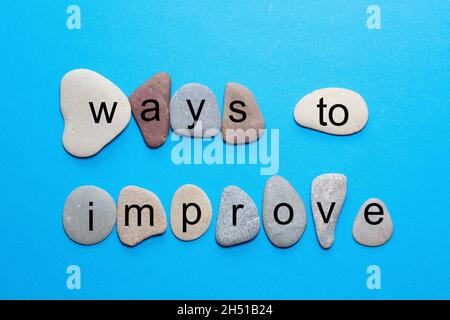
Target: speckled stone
<point>82,136</point>
<point>242,120</point>
<point>307,114</point>
<point>247,218</point>
<point>150,106</point>
<point>208,123</point>
<point>76,215</point>
<point>327,189</point>
<point>285,234</point>
<point>188,195</point>
<point>135,198</point>
<point>373,234</point>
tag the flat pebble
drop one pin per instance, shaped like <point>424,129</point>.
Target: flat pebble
<point>140,215</point>
<point>284,214</point>
<point>94,109</point>
<point>150,106</point>
<point>373,224</point>
<point>190,212</point>
<point>194,111</point>
<point>341,111</point>
<point>242,120</point>
<point>328,193</point>
<point>243,226</point>
<point>89,215</point>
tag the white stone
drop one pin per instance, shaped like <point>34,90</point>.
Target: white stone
<point>307,114</point>
<point>82,136</point>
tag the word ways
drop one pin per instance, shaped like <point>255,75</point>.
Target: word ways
<point>89,214</point>
<point>95,111</point>
<point>332,110</point>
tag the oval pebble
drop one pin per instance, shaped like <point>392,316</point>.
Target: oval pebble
<point>195,100</point>
<point>373,224</point>
<point>190,213</point>
<point>89,215</point>
<point>284,214</point>
<point>342,111</point>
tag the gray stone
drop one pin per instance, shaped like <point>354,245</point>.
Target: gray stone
<point>79,224</point>
<point>247,218</point>
<point>181,117</point>
<point>328,193</point>
<point>293,221</point>
<point>379,227</point>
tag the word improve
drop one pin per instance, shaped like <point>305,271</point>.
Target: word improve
<point>90,214</point>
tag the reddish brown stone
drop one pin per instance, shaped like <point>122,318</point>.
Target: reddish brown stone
<point>154,129</point>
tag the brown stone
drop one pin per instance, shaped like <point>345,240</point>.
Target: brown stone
<point>154,125</point>
<point>237,129</point>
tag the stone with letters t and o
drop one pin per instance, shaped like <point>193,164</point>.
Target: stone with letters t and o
<point>332,110</point>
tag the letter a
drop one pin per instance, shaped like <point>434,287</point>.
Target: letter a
<point>74,279</point>
<point>374,20</point>
<point>73,21</point>
<point>374,280</point>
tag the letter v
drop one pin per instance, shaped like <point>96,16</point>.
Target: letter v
<point>328,216</point>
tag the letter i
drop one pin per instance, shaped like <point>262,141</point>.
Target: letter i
<point>91,217</point>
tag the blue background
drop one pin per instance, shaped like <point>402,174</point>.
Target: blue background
<point>281,50</point>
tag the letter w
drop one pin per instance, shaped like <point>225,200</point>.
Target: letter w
<point>103,109</point>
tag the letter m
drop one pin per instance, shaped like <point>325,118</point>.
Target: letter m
<point>139,213</point>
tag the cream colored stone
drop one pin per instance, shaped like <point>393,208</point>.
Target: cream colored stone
<point>82,136</point>
<point>307,114</point>
<point>183,198</point>
<point>139,201</point>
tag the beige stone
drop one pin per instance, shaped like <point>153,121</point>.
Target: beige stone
<point>94,109</point>
<point>186,222</point>
<point>343,111</point>
<point>139,203</point>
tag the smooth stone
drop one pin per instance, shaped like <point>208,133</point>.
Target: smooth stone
<point>156,130</point>
<point>188,194</point>
<point>83,137</point>
<point>307,114</point>
<point>76,215</point>
<point>134,234</point>
<point>326,189</point>
<point>247,130</point>
<point>278,190</point>
<point>370,234</point>
<point>208,123</point>
<point>247,218</point>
